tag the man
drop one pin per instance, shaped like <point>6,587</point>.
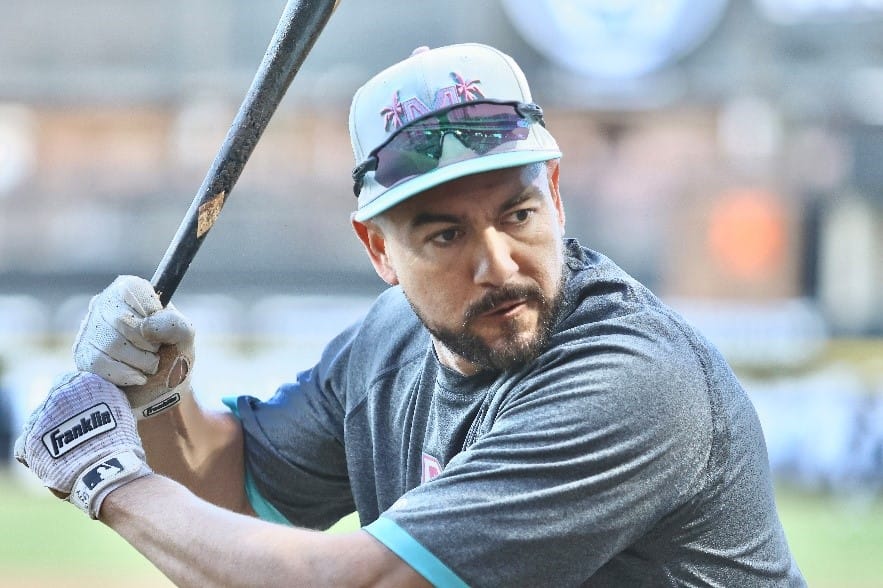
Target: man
<point>515,411</point>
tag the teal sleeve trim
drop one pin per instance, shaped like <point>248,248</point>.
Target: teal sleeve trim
<point>415,555</point>
<point>232,403</point>
<point>261,506</point>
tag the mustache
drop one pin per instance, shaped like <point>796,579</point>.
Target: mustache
<point>502,296</point>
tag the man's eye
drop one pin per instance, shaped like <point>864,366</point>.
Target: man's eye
<point>520,216</point>
<point>446,236</point>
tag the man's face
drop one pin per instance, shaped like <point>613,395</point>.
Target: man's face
<point>481,261</point>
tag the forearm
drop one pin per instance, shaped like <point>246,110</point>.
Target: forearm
<point>197,544</point>
<point>201,449</point>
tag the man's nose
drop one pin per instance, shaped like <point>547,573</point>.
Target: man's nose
<point>494,265</point>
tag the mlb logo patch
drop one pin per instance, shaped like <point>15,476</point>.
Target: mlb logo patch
<point>106,470</point>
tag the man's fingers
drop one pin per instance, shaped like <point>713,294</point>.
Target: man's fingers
<point>105,341</point>
<point>19,451</point>
<point>138,294</point>
<point>119,321</point>
<point>167,326</point>
<point>130,340</point>
<point>114,371</point>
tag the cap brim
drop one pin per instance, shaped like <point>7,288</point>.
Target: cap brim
<point>440,175</point>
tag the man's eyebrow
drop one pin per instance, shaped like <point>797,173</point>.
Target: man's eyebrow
<point>428,218</point>
<point>519,198</point>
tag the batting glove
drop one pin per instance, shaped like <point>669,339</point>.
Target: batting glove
<point>82,441</point>
<point>130,340</point>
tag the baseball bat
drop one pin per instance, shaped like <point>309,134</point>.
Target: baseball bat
<point>299,26</point>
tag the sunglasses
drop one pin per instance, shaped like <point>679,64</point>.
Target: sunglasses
<point>416,147</point>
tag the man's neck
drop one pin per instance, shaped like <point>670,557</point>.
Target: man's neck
<point>451,360</point>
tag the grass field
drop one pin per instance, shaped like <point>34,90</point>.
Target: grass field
<point>838,542</point>
<point>47,543</point>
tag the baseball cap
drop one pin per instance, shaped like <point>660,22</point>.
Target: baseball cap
<point>431,80</point>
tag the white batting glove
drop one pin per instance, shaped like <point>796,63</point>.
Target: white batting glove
<point>130,340</point>
<point>82,441</point>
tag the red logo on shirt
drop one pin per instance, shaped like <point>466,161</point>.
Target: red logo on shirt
<point>431,468</point>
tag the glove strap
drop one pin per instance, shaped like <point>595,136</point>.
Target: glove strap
<point>103,476</point>
<point>158,405</point>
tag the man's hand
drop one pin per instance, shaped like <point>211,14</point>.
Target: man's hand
<point>82,441</point>
<point>130,340</point>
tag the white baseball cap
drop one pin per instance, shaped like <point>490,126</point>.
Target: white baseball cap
<point>429,80</point>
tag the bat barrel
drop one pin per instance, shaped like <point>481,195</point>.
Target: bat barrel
<point>299,26</point>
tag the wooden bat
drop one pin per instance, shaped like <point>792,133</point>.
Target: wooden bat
<point>297,31</point>
<point>299,26</point>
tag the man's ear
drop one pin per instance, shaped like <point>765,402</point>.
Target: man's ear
<point>371,235</point>
<point>554,168</point>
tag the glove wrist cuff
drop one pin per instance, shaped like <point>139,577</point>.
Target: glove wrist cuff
<point>104,476</point>
<point>160,403</point>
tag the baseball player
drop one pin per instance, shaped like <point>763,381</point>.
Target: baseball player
<point>515,410</point>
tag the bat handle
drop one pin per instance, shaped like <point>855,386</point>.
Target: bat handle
<point>168,276</point>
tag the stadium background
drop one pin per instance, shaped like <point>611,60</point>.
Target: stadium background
<point>728,154</point>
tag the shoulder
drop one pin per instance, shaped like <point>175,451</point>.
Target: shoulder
<point>641,366</point>
<point>606,312</point>
<point>617,352</point>
<point>389,338</point>
<point>390,329</point>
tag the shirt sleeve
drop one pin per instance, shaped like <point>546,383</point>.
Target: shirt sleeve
<point>583,459</point>
<point>295,461</point>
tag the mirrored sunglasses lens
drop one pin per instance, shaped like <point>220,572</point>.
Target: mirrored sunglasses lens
<point>416,150</point>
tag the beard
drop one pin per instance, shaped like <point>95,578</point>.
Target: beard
<point>517,347</point>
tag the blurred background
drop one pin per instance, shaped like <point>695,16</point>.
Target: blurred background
<point>727,153</point>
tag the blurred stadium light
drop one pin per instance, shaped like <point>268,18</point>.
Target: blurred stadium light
<point>796,11</point>
<point>24,323</point>
<point>614,38</point>
<point>18,150</point>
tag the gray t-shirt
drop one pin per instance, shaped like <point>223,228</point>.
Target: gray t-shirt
<point>626,454</point>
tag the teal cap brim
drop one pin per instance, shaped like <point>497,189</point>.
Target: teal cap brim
<point>440,175</point>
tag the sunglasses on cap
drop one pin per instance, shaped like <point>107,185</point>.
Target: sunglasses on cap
<point>416,147</point>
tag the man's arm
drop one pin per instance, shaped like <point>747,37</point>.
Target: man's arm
<point>83,445</point>
<point>197,544</point>
<point>200,449</point>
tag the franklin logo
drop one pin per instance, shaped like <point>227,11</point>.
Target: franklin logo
<point>79,429</point>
